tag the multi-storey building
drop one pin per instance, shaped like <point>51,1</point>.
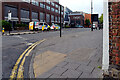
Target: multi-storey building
<point>67,11</point>
<point>32,10</point>
<point>76,18</point>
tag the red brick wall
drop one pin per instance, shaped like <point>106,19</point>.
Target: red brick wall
<point>114,32</point>
<point>87,16</point>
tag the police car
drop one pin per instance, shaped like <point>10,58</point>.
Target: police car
<point>39,26</point>
<point>55,27</point>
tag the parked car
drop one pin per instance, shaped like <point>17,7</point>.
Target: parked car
<point>38,26</point>
<point>43,26</point>
<point>94,26</point>
<point>55,27</point>
<point>79,26</point>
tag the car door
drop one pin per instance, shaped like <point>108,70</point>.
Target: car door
<point>40,25</point>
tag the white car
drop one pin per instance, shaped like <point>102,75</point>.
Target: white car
<point>42,26</point>
<point>55,27</point>
<point>94,26</point>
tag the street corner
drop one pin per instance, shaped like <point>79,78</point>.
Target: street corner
<point>45,61</point>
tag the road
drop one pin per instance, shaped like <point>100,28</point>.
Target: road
<point>14,46</point>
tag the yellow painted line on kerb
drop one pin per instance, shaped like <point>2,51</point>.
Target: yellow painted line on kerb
<point>14,70</point>
<point>21,68</point>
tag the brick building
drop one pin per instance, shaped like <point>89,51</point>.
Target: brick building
<point>114,33</point>
<point>31,10</point>
<point>76,18</point>
<point>87,16</point>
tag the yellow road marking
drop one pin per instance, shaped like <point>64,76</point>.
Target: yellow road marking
<point>21,68</point>
<point>14,70</point>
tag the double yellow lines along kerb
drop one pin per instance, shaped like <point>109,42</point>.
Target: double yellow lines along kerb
<point>23,55</point>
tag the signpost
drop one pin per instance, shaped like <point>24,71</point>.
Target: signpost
<point>9,18</point>
<point>60,22</point>
<point>91,15</point>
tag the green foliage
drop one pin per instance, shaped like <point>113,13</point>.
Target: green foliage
<point>101,19</point>
<point>5,24</point>
<point>67,26</point>
<point>87,22</point>
<point>21,25</point>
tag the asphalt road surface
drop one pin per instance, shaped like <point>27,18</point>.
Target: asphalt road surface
<point>14,46</point>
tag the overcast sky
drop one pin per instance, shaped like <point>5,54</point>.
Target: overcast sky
<point>84,5</point>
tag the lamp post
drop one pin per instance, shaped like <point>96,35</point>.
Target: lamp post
<point>9,18</point>
<point>60,22</point>
<point>91,15</point>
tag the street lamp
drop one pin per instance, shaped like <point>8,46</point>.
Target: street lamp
<point>91,15</point>
<point>60,21</point>
<point>9,18</point>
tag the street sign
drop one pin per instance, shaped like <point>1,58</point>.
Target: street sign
<point>9,15</point>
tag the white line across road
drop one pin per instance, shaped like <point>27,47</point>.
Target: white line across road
<point>22,60</point>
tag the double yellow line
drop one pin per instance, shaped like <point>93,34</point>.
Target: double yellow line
<point>21,68</point>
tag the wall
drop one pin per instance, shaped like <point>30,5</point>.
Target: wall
<point>114,33</point>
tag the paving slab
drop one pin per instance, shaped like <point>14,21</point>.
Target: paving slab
<point>72,73</point>
<point>85,68</point>
<point>58,70</point>
<point>82,55</point>
<point>73,66</point>
<point>47,60</point>
<point>86,75</point>
<point>62,64</point>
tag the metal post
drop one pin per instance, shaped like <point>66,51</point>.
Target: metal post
<point>60,21</point>
<point>91,15</point>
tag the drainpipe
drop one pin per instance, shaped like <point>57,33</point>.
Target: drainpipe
<point>105,61</point>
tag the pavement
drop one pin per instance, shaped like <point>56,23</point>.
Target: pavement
<point>13,46</point>
<point>76,55</point>
<point>20,32</point>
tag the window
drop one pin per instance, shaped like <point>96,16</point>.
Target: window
<point>56,11</point>
<point>52,17</point>
<point>52,9</point>
<point>41,24</point>
<point>48,1</point>
<point>35,3</point>
<point>42,5</point>
<point>34,15</point>
<point>24,13</point>
<point>45,24</point>
<point>47,18</point>
<point>28,1</point>
<point>52,4</point>
<point>62,8</point>
<point>13,11</point>
<point>56,6</point>
<point>42,16</point>
<point>56,18</point>
<point>48,7</point>
<point>62,13</point>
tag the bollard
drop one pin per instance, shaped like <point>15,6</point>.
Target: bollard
<point>3,30</point>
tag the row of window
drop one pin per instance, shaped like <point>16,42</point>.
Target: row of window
<point>25,14</point>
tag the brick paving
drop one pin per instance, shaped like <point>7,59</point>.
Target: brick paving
<point>84,55</point>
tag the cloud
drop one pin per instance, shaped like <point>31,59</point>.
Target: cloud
<point>84,5</point>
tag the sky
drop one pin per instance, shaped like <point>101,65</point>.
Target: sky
<point>84,5</point>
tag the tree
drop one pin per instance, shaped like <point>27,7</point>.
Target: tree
<point>87,22</point>
<point>5,24</point>
<point>101,19</point>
